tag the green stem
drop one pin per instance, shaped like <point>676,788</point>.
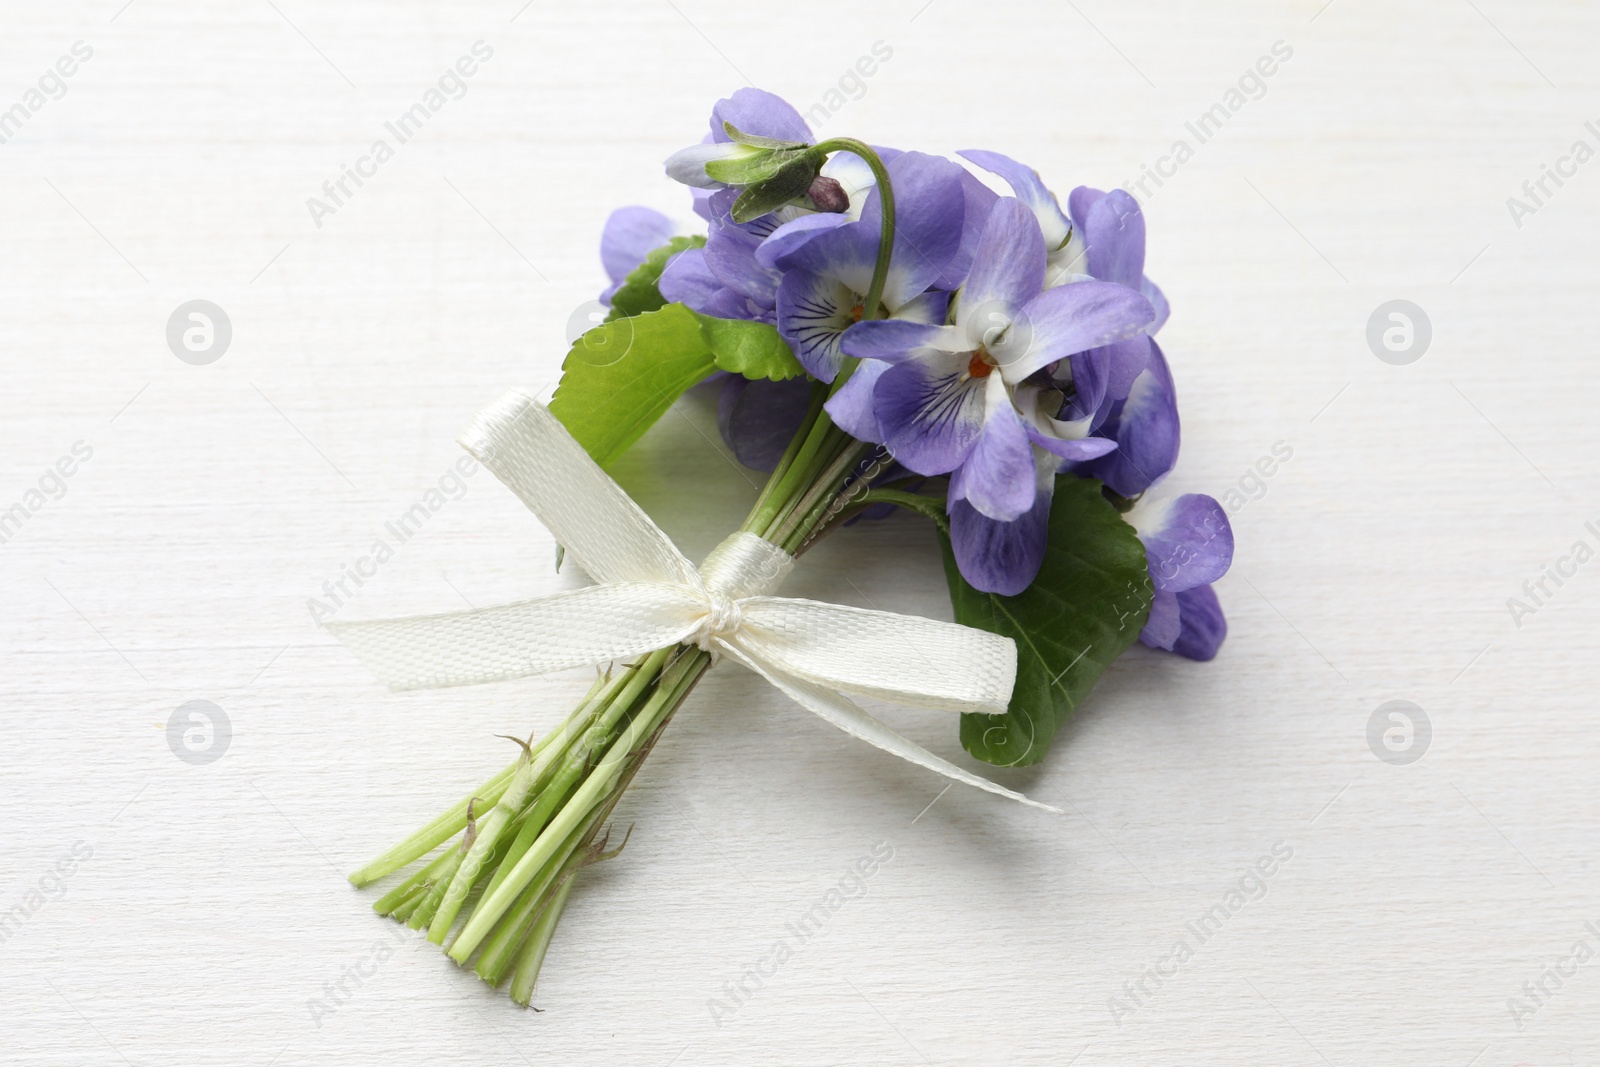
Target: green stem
<point>577,763</point>
<point>500,948</point>
<point>454,819</point>
<point>812,507</point>
<point>794,480</point>
<point>927,506</point>
<point>819,396</point>
<point>436,833</point>
<point>418,883</point>
<point>483,846</point>
<point>880,270</point>
<point>593,792</point>
<point>531,958</point>
<point>430,903</point>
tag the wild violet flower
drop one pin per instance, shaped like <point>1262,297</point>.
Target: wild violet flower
<point>1101,236</point>
<point>749,110</point>
<point>1124,388</point>
<point>1188,545</point>
<point>826,271</point>
<point>967,399</point>
<point>724,278</point>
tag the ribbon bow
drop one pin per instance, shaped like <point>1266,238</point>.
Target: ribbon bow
<point>649,596</point>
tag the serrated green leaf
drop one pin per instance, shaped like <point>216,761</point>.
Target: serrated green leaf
<point>623,375</point>
<point>1085,608</point>
<point>751,349</point>
<point>639,291</point>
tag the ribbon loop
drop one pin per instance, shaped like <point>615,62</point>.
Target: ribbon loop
<point>649,596</point>
<point>604,531</point>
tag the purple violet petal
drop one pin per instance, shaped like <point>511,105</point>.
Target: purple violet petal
<point>895,340</point>
<point>1165,624</point>
<point>1007,269</point>
<point>1079,201</point>
<point>1030,189</point>
<point>1068,319</point>
<point>813,313</point>
<point>998,476</point>
<point>1192,546</point>
<point>630,234</point>
<point>1158,300</point>
<point>1146,429</point>
<point>931,412</point>
<point>1114,232</point>
<point>999,557</point>
<point>851,408</point>
<point>929,205</point>
<point>758,417</point>
<point>688,280</point>
<point>758,112</point>
<point>1204,625</point>
<point>977,200</point>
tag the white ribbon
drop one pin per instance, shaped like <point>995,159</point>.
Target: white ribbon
<point>649,596</point>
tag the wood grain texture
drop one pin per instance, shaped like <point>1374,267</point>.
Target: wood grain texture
<point>1375,564</point>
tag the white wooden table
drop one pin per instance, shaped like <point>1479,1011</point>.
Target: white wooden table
<point>205,916</point>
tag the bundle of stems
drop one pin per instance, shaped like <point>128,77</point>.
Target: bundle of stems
<point>510,850</point>
<point>507,855</point>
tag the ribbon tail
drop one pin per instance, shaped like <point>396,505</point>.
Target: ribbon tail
<point>848,716</point>
<point>606,533</point>
<point>903,659</point>
<point>578,629</point>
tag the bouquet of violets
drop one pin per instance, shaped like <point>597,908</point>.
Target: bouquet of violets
<point>891,330</point>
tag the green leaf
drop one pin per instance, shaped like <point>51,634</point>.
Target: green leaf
<point>1087,605</point>
<point>738,136</point>
<point>639,291</point>
<point>751,349</point>
<point>623,375</point>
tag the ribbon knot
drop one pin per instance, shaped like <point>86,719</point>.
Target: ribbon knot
<point>648,596</point>
<point>723,617</point>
